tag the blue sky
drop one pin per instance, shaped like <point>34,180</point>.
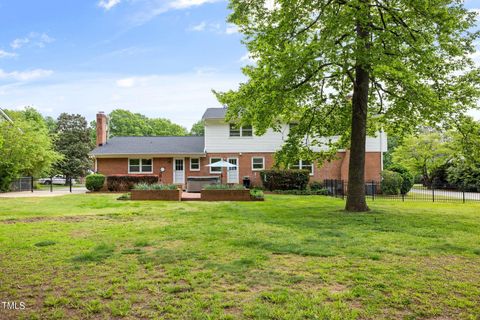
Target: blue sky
<point>157,57</point>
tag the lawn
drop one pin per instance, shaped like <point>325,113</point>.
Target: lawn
<point>290,257</point>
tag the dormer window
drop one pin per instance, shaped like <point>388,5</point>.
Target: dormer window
<point>243,131</point>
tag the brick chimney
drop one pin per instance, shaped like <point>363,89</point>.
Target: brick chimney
<point>101,128</point>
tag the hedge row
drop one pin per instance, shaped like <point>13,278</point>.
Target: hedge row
<point>285,179</point>
<point>126,183</point>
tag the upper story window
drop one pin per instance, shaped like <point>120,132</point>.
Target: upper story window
<point>303,165</point>
<point>243,131</point>
<point>140,166</point>
<point>194,164</point>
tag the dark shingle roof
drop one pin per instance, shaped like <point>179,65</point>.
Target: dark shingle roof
<point>214,113</point>
<point>151,145</point>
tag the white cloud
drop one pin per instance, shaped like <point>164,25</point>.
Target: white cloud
<point>5,54</point>
<point>126,82</point>
<point>153,8</point>
<point>231,29</point>
<point>199,27</point>
<point>182,98</point>
<point>247,59</point>
<point>25,75</point>
<point>108,4</point>
<point>33,39</point>
<point>184,4</point>
<point>19,42</point>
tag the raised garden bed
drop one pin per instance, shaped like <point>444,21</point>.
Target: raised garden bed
<point>169,195</point>
<point>226,195</point>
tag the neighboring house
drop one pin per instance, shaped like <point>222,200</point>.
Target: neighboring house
<point>176,158</point>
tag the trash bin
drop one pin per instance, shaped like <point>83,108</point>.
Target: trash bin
<point>246,182</point>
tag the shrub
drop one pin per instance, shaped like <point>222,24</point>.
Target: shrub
<point>464,176</point>
<point>391,182</point>
<point>155,186</point>
<point>320,192</point>
<point>125,196</point>
<point>407,177</point>
<point>316,185</point>
<point>257,194</point>
<point>224,187</point>
<point>285,179</point>
<point>126,183</point>
<point>95,182</point>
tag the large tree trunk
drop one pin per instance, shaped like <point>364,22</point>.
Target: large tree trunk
<point>356,171</point>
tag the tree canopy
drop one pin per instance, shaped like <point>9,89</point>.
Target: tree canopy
<point>198,128</point>
<point>345,68</point>
<point>72,140</point>
<point>25,147</point>
<point>125,123</point>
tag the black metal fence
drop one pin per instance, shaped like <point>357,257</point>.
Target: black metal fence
<point>33,184</point>
<point>22,184</point>
<point>373,190</point>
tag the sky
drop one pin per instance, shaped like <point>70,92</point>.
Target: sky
<point>160,58</point>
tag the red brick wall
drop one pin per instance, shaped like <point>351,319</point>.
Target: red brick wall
<point>336,169</point>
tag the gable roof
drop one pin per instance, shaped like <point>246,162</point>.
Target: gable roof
<point>214,113</point>
<point>151,146</point>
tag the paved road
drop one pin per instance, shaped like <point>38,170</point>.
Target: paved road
<point>447,194</point>
<point>41,193</point>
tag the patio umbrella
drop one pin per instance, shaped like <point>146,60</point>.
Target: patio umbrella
<point>222,164</point>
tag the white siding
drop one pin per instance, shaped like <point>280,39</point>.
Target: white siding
<point>217,139</point>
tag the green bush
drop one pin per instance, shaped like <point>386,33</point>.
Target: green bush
<point>320,192</point>
<point>257,194</point>
<point>285,179</point>
<point>391,182</point>
<point>126,183</point>
<point>316,185</point>
<point>95,182</point>
<point>155,186</point>
<point>407,177</point>
<point>224,187</point>
<point>464,176</point>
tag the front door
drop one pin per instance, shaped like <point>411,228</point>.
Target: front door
<point>178,171</point>
<point>232,173</point>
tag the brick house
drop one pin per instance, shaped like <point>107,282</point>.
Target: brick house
<point>174,159</point>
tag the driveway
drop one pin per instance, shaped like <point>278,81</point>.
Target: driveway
<point>447,194</point>
<point>41,193</point>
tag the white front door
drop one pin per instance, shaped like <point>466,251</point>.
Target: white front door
<point>232,173</point>
<point>178,171</point>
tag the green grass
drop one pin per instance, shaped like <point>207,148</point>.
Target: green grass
<point>290,257</point>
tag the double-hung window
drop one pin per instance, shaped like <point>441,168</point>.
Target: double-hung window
<point>194,164</point>
<point>215,169</point>
<point>303,165</point>
<point>258,163</point>
<point>140,166</point>
<point>243,131</point>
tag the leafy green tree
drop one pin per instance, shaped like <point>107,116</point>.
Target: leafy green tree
<point>125,123</point>
<point>403,63</point>
<point>198,128</point>
<point>26,147</point>
<point>423,154</point>
<point>73,142</point>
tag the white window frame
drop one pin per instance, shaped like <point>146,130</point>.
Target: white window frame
<point>300,166</point>
<point>198,169</point>
<point>263,164</point>
<point>240,131</point>
<point>140,161</point>
<point>216,160</point>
